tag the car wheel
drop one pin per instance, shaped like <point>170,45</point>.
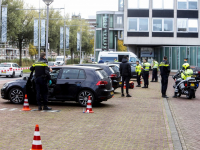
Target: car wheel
<point>83,97</point>
<point>16,96</point>
<point>21,74</point>
<point>13,75</point>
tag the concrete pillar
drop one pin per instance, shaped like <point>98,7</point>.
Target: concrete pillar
<point>175,18</point>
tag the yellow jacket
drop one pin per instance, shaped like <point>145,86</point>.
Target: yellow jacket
<point>138,69</point>
<point>186,73</point>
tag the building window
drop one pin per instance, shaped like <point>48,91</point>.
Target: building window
<point>163,25</point>
<point>138,24</point>
<point>187,4</point>
<point>137,4</point>
<point>163,4</point>
<point>187,25</point>
<point>119,20</point>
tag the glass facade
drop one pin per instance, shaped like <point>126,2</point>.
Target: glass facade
<point>135,4</point>
<point>163,4</point>
<point>111,39</point>
<point>138,24</point>
<point>98,39</point>
<point>99,21</point>
<point>198,57</point>
<point>187,4</point>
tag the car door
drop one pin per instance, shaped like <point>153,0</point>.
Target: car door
<point>18,69</point>
<point>14,66</point>
<point>69,83</point>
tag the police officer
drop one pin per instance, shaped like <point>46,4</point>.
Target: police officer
<point>138,70</point>
<point>155,71</point>
<point>42,76</point>
<point>186,72</point>
<point>164,72</point>
<point>145,72</point>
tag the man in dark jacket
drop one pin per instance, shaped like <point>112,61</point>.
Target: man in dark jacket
<point>125,71</point>
<point>101,61</point>
<point>164,72</point>
<point>42,76</point>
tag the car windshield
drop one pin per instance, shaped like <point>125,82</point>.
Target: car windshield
<point>59,59</point>
<point>50,64</point>
<point>134,59</point>
<point>109,59</point>
<point>5,65</point>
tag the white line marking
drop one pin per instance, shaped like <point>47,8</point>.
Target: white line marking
<point>3,109</point>
<point>13,109</point>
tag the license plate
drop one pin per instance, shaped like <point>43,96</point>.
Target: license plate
<point>111,93</point>
<point>4,72</point>
<point>120,83</point>
<point>192,84</point>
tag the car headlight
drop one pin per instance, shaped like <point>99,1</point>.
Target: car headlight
<point>5,85</point>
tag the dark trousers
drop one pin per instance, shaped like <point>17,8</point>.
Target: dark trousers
<point>126,79</point>
<point>146,78</point>
<point>164,81</point>
<point>154,74</point>
<point>42,90</point>
<point>138,79</point>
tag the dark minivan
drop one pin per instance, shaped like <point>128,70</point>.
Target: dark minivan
<point>71,83</point>
<point>111,70</point>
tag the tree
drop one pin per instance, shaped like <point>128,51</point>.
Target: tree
<point>20,24</point>
<point>32,50</point>
<point>120,45</point>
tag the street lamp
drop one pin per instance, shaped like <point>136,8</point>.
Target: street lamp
<point>95,25</point>
<point>47,2</point>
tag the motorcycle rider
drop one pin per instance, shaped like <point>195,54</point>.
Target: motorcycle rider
<point>186,72</point>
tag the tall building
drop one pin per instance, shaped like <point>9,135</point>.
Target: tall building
<point>110,26</point>
<point>157,28</point>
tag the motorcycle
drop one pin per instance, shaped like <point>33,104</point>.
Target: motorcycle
<point>186,87</point>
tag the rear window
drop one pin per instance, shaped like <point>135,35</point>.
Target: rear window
<point>5,65</point>
<point>111,69</point>
<point>102,74</point>
<point>115,68</point>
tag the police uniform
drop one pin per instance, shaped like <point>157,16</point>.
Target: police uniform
<point>164,72</point>
<point>42,76</point>
<point>146,67</point>
<point>155,71</point>
<point>138,70</point>
<point>184,75</point>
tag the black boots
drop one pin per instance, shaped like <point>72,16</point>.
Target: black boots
<point>47,108</point>
<point>39,108</point>
<point>138,86</point>
<point>128,95</point>
<point>122,95</point>
<point>175,95</point>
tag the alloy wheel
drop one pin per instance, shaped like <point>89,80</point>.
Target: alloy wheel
<point>16,96</point>
<point>83,97</point>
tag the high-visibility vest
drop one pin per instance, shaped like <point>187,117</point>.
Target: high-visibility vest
<point>187,73</point>
<point>138,69</point>
<point>146,66</point>
<point>155,64</point>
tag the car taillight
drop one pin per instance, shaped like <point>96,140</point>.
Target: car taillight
<point>101,83</point>
<point>199,72</point>
<point>185,84</point>
<point>113,75</point>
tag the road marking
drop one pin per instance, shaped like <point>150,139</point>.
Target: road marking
<point>3,109</point>
<point>13,109</point>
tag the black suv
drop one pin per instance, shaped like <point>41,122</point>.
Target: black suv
<point>111,70</point>
<point>71,83</point>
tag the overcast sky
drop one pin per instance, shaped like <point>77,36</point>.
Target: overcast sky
<point>85,7</point>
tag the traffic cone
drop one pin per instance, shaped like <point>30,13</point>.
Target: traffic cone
<point>124,85</point>
<point>26,104</point>
<point>89,106</point>
<point>37,144</point>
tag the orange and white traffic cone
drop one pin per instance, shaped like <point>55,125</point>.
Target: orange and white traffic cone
<point>124,85</point>
<point>37,144</point>
<point>26,104</point>
<point>89,106</point>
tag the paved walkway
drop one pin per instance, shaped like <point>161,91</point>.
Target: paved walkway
<point>133,123</point>
<point>186,114</point>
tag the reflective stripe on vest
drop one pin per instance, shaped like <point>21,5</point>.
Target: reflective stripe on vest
<point>155,64</point>
<point>162,64</point>
<point>147,65</point>
<point>39,64</point>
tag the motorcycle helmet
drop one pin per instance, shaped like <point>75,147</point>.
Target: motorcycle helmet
<point>186,66</point>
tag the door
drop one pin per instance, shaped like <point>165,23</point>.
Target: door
<point>15,66</point>
<point>69,83</point>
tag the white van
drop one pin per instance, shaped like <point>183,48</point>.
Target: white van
<point>60,60</point>
<point>111,56</point>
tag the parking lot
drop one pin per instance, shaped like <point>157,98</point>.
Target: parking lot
<point>120,123</point>
<point>139,122</point>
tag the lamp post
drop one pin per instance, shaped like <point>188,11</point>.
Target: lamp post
<point>115,42</point>
<point>47,2</point>
<point>95,25</point>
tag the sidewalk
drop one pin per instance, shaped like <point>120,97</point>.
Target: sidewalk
<point>120,123</point>
<point>186,114</point>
